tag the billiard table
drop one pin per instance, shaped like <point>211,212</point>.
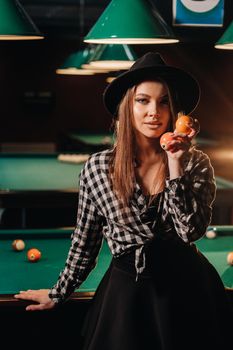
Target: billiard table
<point>54,246</point>
<point>33,186</point>
<point>84,142</point>
<point>216,251</point>
<point>33,181</point>
<point>93,139</point>
<point>17,273</point>
<point>64,323</point>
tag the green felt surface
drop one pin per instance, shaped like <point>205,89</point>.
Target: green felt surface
<point>223,183</point>
<point>216,251</point>
<point>37,172</point>
<point>17,273</point>
<point>46,172</point>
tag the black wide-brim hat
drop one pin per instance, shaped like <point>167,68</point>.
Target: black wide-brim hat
<point>149,67</point>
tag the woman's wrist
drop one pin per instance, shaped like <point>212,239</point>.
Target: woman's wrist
<point>176,168</point>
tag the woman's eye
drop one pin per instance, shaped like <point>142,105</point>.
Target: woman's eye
<point>141,100</point>
<point>164,101</point>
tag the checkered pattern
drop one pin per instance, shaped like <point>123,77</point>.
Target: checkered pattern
<point>183,211</point>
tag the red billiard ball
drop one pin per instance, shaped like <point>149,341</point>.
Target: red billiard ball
<point>230,258</point>
<point>33,254</point>
<point>183,124</point>
<point>165,138</point>
<point>18,244</point>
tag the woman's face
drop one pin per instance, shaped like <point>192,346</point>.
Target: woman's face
<point>151,110</point>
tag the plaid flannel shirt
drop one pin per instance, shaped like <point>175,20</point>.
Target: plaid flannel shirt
<point>184,212</point>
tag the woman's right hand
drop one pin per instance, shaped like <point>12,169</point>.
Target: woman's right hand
<point>40,296</point>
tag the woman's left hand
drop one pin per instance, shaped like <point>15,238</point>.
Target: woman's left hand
<point>181,143</point>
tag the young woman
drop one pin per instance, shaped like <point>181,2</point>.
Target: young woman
<point>150,205</point>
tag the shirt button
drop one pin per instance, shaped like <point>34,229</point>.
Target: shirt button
<point>173,187</point>
<point>144,216</point>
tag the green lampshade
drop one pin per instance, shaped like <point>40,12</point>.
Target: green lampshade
<point>74,71</point>
<point>130,22</point>
<point>95,70</point>
<point>15,24</point>
<point>73,64</point>
<point>113,57</point>
<point>226,40</point>
<point>78,63</point>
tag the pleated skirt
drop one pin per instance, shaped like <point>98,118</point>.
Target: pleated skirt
<point>178,302</point>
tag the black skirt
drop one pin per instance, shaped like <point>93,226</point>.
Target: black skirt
<point>178,302</point>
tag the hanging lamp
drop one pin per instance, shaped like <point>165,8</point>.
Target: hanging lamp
<point>73,64</point>
<point>15,23</point>
<point>113,57</point>
<point>130,22</point>
<point>95,70</point>
<point>226,40</point>
<point>77,62</point>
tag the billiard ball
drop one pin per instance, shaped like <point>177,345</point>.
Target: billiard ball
<point>18,244</point>
<point>211,234</point>
<point>165,138</point>
<point>183,124</point>
<point>33,254</point>
<point>230,258</point>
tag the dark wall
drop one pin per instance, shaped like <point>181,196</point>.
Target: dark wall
<point>27,72</point>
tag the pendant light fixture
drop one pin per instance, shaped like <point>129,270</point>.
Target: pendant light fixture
<point>130,22</point>
<point>15,23</point>
<point>113,57</point>
<point>78,62</point>
<point>226,40</point>
<point>95,70</point>
<point>73,64</point>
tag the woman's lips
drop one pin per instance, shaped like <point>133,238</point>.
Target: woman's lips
<point>153,125</point>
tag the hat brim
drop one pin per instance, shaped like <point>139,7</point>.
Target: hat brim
<point>185,86</point>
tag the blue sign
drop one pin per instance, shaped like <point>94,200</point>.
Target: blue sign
<point>198,13</point>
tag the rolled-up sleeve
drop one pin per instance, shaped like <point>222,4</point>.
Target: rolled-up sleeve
<point>189,198</point>
<point>86,241</point>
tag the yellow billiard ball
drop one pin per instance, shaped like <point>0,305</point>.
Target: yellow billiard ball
<point>230,258</point>
<point>18,244</point>
<point>33,254</point>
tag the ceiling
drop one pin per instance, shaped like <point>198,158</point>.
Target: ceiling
<point>66,18</point>
<point>72,19</point>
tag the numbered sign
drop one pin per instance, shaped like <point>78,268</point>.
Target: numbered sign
<point>198,13</point>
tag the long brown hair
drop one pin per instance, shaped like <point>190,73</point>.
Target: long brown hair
<point>123,161</point>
